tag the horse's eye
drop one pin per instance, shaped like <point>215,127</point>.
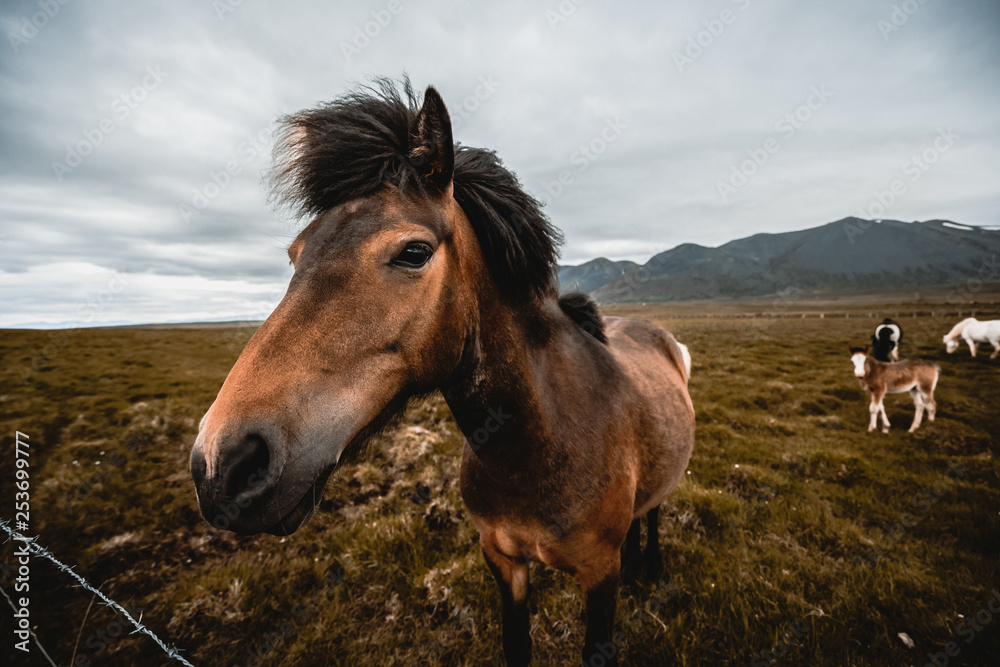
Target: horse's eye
<point>413,256</point>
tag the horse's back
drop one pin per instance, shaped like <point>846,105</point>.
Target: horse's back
<point>633,340</point>
<point>983,330</point>
<point>659,368</point>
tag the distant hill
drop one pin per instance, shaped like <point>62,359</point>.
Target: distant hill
<point>849,254</point>
<point>592,275</point>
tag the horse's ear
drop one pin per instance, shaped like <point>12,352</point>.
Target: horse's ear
<point>432,152</point>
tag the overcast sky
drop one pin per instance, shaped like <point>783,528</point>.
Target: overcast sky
<point>119,121</point>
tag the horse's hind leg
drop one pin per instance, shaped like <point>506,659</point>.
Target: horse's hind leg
<point>654,561</point>
<point>996,348</point>
<point>928,398</point>
<point>512,579</point>
<point>918,404</point>
<point>631,558</point>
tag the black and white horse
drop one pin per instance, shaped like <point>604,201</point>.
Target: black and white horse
<point>886,340</point>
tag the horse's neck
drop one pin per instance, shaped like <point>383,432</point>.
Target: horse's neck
<point>962,326</point>
<point>499,394</point>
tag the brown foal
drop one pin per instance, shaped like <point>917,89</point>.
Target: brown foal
<point>879,378</point>
<point>426,267</point>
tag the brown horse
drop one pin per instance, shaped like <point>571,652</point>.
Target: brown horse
<point>879,378</point>
<point>426,266</point>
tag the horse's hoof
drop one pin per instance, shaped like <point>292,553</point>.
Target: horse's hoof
<point>654,570</point>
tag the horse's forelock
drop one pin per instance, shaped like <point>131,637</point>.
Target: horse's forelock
<point>359,144</point>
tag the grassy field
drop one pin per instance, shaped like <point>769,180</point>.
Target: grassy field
<point>796,538</point>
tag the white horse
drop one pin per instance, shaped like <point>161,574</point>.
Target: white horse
<point>973,332</point>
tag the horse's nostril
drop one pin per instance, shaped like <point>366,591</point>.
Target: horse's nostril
<point>198,467</point>
<point>250,467</point>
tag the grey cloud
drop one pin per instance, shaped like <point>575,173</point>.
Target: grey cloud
<point>557,81</point>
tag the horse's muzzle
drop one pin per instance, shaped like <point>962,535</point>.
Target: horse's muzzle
<point>249,487</point>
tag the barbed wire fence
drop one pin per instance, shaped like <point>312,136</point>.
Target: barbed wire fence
<point>30,631</point>
<point>40,551</point>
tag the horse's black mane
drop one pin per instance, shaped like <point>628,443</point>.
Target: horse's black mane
<point>359,144</point>
<point>583,310</point>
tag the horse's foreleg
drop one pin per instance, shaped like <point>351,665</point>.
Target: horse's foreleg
<point>972,346</point>
<point>631,558</point>
<point>654,561</point>
<point>894,355</point>
<point>512,579</point>
<point>600,646</point>
<point>885,417</point>
<point>873,411</point>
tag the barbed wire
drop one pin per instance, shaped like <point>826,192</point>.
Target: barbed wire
<point>32,632</point>
<point>39,550</point>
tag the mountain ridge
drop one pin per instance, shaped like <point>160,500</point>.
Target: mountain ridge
<point>849,253</point>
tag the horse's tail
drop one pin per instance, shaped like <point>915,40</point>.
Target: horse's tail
<point>686,357</point>
<point>680,356</point>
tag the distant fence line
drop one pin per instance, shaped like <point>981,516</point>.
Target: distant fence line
<point>806,314</point>
<point>38,550</point>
